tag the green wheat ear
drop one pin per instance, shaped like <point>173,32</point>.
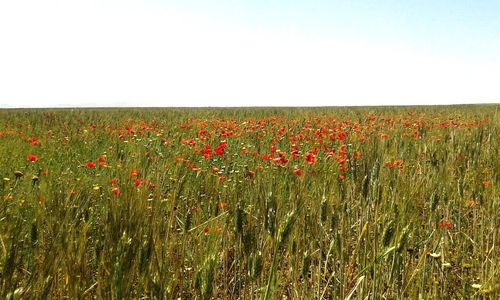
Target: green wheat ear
<point>403,238</point>
<point>306,263</point>
<point>286,228</point>
<point>388,233</point>
<point>256,264</point>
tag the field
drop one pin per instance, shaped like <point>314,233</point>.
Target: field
<point>250,203</point>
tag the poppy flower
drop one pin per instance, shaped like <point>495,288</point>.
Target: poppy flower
<point>341,135</point>
<point>206,230</point>
<point>32,157</point>
<point>90,164</point>
<point>116,191</point>
<point>219,150</point>
<point>297,172</point>
<point>133,173</point>
<point>33,141</point>
<point>137,182</point>
<point>114,181</point>
<point>471,203</point>
<point>310,158</point>
<point>444,224</point>
<point>486,183</point>
<point>222,144</point>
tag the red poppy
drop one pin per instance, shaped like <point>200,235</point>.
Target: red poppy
<point>116,191</point>
<point>297,172</point>
<point>250,173</point>
<point>206,230</point>
<point>101,159</point>
<point>133,173</point>
<point>276,160</point>
<point>222,205</point>
<point>114,181</point>
<point>444,223</point>
<point>33,141</point>
<point>137,182</point>
<point>341,135</point>
<point>32,157</point>
<point>219,150</point>
<point>90,164</point>
<point>310,158</point>
<point>207,151</point>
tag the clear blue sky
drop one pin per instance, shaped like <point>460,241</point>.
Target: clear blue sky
<point>198,53</point>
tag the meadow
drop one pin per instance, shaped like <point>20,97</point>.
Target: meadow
<point>250,203</point>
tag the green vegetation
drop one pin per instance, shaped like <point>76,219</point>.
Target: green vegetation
<point>319,203</point>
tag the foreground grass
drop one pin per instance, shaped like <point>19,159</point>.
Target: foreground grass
<point>250,203</point>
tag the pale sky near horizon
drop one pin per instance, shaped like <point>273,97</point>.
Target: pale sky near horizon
<point>245,53</point>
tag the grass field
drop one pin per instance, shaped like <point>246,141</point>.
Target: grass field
<point>276,203</point>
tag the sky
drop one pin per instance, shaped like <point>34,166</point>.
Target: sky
<point>248,53</point>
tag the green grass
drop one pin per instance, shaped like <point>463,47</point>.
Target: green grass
<point>394,203</point>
